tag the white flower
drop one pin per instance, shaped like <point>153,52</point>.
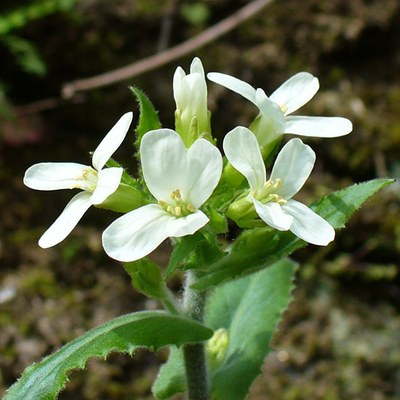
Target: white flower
<point>97,183</point>
<point>289,97</point>
<point>190,93</point>
<point>181,180</point>
<point>272,199</point>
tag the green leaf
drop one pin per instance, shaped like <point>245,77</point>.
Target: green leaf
<point>338,207</point>
<point>171,379</point>
<point>250,310</point>
<point>26,55</point>
<point>194,252</point>
<point>183,253</point>
<point>151,330</point>
<point>148,119</point>
<point>257,248</point>
<point>147,278</point>
<point>37,9</point>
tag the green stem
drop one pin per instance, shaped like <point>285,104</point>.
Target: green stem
<point>194,354</point>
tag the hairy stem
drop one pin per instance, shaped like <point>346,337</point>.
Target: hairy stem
<point>194,354</point>
<point>170,304</point>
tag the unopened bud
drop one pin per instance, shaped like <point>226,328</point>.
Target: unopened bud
<point>217,347</point>
<point>192,118</point>
<point>241,209</point>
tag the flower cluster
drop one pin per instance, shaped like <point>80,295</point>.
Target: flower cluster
<point>181,170</point>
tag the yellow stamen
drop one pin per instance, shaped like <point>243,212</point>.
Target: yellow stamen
<point>178,207</point>
<point>265,195</point>
<point>87,180</point>
<point>283,107</point>
<point>176,195</point>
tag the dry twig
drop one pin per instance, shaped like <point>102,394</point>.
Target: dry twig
<point>157,60</point>
<point>69,90</point>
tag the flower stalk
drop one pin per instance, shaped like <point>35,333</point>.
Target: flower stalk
<point>194,354</point>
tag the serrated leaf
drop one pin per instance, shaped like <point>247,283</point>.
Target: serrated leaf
<point>148,118</point>
<point>249,309</point>
<point>339,206</point>
<point>255,249</point>
<point>171,379</point>
<point>151,330</point>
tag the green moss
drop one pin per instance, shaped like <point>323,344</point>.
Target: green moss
<point>39,281</point>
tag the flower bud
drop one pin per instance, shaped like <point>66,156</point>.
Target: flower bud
<point>217,346</point>
<point>243,212</point>
<point>192,118</point>
<point>232,176</point>
<point>242,208</point>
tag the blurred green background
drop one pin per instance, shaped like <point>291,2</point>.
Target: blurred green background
<point>340,339</point>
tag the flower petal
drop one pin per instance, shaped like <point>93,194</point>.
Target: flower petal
<point>293,166</point>
<point>204,168</point>
<point>241,149</point>
<point>234,84</point>
<point>273,215</point>
<point>67,221</point>
<point>177,84</point>
<point>187,225</point>
<point>308,225</point>
<point>295,92</point>
<point>139,232</point>
<point>136,234</point>
<point>53,176</point>
<point>107,183</point>
<point>164,162</point>
<point>196,81</point>
<point>272,115</point>
<point>111,141</point>
<point>327,127</point>
<point>196,67</point>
